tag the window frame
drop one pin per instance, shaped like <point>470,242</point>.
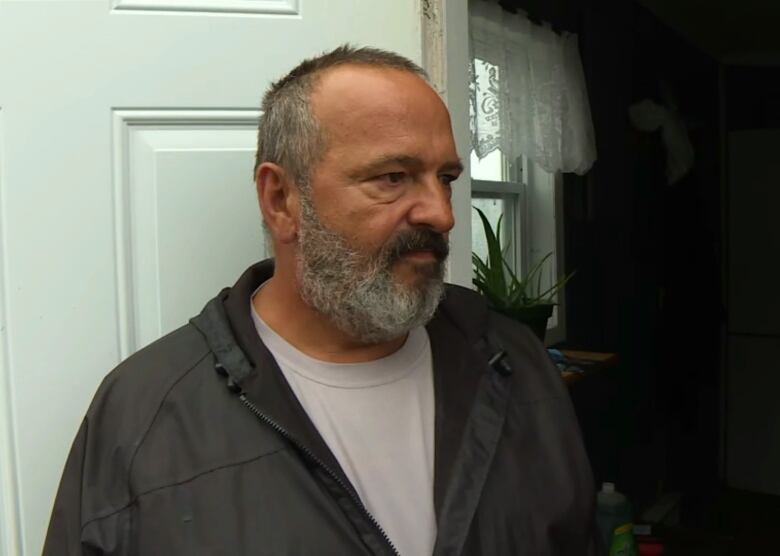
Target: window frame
<point>530,236</point>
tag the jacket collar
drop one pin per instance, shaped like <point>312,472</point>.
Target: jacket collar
<point>227,325</point>
<point>457,325</point>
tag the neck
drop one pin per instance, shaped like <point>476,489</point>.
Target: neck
<point>281,306</point>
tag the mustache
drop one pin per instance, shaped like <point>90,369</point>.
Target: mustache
<point>420,239</point>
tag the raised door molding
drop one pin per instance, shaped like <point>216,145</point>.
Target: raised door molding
<point>261,7</point>
<point>179,177</point>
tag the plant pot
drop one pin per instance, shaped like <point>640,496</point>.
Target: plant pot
<point>534,316</point>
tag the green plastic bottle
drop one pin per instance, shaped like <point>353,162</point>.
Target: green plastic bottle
<point>613,512</point>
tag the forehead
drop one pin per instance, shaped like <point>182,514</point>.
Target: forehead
<point>362,105</point>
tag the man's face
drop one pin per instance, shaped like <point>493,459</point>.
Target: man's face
<point>373,230</point>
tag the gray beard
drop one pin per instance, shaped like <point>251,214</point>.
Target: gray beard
<point>357,292</point>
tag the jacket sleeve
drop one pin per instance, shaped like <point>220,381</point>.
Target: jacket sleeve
<point>64,535</point>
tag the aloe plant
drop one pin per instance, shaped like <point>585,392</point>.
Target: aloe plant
<point>498,282</point>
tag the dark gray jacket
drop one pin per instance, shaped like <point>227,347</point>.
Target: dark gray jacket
<point>196,445</point>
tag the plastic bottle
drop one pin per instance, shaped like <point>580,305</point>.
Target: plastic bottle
<point>623,543</point>
<point>613,510</point>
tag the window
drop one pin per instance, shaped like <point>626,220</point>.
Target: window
<point>530,200</point>
<point>530,121</point>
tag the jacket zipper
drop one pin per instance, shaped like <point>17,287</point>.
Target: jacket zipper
<point>308,453</point>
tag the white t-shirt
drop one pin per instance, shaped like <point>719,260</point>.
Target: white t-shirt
<point>377,419</point>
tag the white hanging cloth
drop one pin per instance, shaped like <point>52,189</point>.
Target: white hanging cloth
<point>648,116</point>
<point>528,93</point>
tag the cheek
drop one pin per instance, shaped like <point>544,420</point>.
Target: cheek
<point>376,229</point>
<point>368,225</point>
<point>366,234</point>
<point>365,223</point>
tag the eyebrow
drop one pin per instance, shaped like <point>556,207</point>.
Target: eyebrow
<point>403,160</point>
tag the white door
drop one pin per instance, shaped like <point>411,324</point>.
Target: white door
<point>126,200</point>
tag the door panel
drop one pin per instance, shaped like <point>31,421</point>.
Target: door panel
<point>754,236</point>
<point>126,150</point>
<point>753,420</point>
<point>753,415</point>
<point>163,158</point>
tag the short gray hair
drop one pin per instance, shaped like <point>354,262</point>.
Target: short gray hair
<point>289,134</point>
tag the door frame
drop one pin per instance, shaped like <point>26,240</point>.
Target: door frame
<point>10,524</point>
<point>445,50</point>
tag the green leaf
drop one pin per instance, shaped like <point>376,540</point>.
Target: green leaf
<point>495,279</point>
<point>495,257</point>
<point>552,290</point>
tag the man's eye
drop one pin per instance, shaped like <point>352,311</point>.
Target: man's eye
<point>447,179</point>
<point>393,178</point>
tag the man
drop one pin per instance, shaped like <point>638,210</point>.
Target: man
<point>338,400</point>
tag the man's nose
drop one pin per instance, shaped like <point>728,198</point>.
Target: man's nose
<point>432,206</point>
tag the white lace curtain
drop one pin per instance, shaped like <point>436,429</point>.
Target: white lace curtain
<point>528,94</point>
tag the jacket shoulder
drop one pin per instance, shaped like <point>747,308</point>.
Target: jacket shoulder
<point>122,413</point>
<point>533,369</point>
<point>139,382</point>
<point>466,309</point>
<point>534,372</point>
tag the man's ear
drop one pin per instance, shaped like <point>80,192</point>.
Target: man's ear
<point>279,202</point>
